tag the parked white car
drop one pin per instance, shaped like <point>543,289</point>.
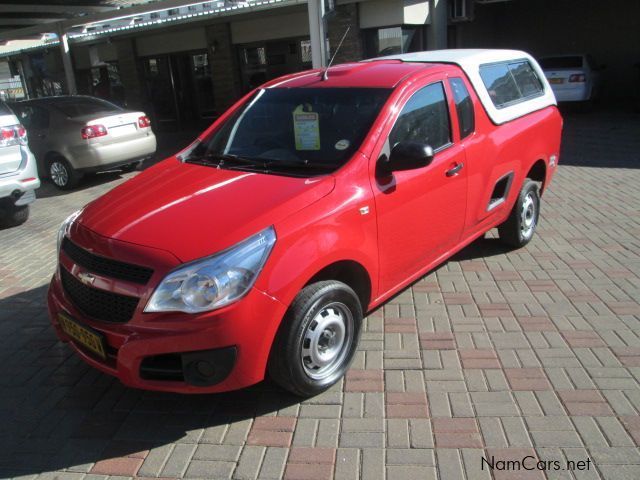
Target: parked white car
<point>18,170</point>
<point>573,78</point>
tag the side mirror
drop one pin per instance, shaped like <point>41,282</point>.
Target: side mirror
<point>407,156</point>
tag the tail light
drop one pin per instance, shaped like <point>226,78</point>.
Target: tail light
<point>577,78</point>
<point>92,131</point>
<point>144,122</point>
<point>13,135</point>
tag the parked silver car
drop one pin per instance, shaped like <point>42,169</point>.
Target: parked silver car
<point>18,173</point>
<point>74,135</point>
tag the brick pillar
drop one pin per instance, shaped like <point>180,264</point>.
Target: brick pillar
<point>130,75</point>
<point>224,68</point>
<point>343,17</point>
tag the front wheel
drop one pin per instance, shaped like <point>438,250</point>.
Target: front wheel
<point>519,228</point>
<point>317,338</point>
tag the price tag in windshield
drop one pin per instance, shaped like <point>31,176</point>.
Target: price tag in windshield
<point>306,128</point>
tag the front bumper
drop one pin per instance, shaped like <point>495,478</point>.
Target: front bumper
<point>246,328</point>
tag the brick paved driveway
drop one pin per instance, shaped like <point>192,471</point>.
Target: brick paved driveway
<point>503,354</point>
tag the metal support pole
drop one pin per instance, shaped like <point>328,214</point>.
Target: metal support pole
<point>437,31</point>
<point>317,33</point>
<point>70,79</point>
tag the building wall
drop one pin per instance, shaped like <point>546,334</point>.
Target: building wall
<point>224,69</point>
<point>260,28</point>
<point>87,56</point>
<point>176,40</point>
<point>345,16</point>
<point>608,30</point>
<point>129,69</point>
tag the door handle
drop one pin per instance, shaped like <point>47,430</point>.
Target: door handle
<point>454,171</point>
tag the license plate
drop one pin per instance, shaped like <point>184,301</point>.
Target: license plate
<point>556,81</point>
<point>122,130</point>
<point>83,335</point>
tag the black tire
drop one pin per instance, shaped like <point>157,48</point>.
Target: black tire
<point>519,228</point>
<point>62,174</point>
<point>288,365</point>
<point>15,216</point>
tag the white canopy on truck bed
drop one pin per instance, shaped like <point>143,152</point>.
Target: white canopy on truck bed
<point>470,61</point>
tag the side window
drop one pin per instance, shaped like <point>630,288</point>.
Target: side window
<point>464,106</point>
<point>526,79</point>
<point>509,83</point>
<point>424,118</point>
<point>500,84</point>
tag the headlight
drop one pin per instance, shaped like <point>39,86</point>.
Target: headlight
<point>214,281</point>
<point>64,228</point>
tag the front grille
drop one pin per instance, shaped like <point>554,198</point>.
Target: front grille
<point>106,266</point>
<point>98,304</point>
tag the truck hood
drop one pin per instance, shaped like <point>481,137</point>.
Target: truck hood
<point>194,211</point>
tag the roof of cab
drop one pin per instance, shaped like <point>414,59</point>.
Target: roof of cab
<point>379,74</point>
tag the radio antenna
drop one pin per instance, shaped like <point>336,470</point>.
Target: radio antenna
<point>325,74</point>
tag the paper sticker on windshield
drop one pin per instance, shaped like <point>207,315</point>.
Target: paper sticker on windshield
<point>342,144</point>
<point>306,128</point>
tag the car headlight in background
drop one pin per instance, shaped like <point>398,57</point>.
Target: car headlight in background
<point>64,228</point>
<point>215,281</point>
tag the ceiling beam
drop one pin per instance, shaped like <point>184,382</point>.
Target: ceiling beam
<point>25,21</point>
<point>43,8</point>
<point>35,16</point>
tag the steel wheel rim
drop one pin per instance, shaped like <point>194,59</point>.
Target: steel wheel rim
<point>529,216</point>
<point>59,174</point>
<point>326,341</point>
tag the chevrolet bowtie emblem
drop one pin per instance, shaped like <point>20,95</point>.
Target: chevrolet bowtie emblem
<point>86,278</point>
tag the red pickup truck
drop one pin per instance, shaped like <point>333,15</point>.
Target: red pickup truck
<point>260,248</point>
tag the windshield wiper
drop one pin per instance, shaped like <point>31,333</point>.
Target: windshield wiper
<point>233,162</point>
<point>304,164</point>
<point>223,159</point>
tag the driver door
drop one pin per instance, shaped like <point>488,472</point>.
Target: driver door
<point>420,212</point>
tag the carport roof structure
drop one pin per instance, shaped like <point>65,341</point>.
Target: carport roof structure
<point>20,14</point>
<point>56,22</point>
<point>26,24</point>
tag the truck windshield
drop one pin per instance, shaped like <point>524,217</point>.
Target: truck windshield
<point>293,130</point>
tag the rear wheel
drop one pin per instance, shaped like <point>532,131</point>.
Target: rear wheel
<point>62,174</point>
<point>519,228</point>
<point>317,339</point>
